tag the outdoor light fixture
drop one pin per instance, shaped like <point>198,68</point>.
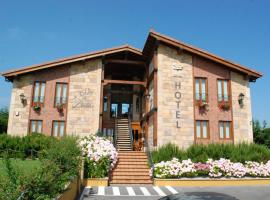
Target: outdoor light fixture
<point>23,98</point>
<point>241,99</point>
<point>147,96</point>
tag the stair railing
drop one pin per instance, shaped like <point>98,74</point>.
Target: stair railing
<point>115,134</point>
<point>130,131</point>
<point>148,152</point>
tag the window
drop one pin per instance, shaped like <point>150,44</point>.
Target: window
<point>201,89</point>
<point>114,110</point>
<point>58,129</point>
<point>225,130</point>
<point>105,104</point>
<point>223,90</point>
<point>202,129</point>
<point>39,92</point>
<point>61,94</point>
<point>35,126</point>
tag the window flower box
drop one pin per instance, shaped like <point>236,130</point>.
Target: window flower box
<point>203,104</point>
<point>96,181</point>
<point>60,107</point>
<point>224,105</point>
<point>37,106</point>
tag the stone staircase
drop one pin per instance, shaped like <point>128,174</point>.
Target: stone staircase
<point>131,168</point>
<point>123,137</point>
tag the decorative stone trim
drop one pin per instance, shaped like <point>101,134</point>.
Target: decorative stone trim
<point>96,182</point>
<point>211,181</point>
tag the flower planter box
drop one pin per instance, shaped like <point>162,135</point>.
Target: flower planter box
<point>211,181</point>
<point>96,182</point>
<point>72,190</point>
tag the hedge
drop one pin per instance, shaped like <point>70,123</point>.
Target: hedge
<point>24,147</point>
<point>200,153</point>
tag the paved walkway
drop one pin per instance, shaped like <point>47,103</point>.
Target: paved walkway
<point>150,192</point>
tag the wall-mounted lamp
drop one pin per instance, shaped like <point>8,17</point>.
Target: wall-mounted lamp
<point>241,99</point>
<point>147,96</point>
<point>23,99</point>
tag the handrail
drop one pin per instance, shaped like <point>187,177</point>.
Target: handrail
<point>148,152</point>
<point>115,134</point>
<point>130,130</point>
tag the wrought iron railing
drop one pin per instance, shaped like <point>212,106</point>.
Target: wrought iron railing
<point>148,152</point>
<point>130,130</point>
<point>115,134</point>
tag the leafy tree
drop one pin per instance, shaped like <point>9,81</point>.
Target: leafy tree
<point>261,133</point>
<point>3,120</point>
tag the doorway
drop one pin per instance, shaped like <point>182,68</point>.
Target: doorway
<point>120,110</point>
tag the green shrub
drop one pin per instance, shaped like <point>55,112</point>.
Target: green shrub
<point>3,120</point>
<point>98,169</point>
<point>24,147</point>
<point>167,152</point>
<point>59,164</point>
<point>200,153</point>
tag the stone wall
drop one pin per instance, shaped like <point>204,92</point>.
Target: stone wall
<point>84,98</point>
<point>19,113</point>
<point>175,97</point>
<point>242,117</point>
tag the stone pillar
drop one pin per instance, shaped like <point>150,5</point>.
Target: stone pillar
<point>242,116</point>
<point>175,97</point>
<point>84,98</point>
<point>18,122</point>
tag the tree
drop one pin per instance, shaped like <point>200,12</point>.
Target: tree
<point>3,120</point>
<point>261,133</point>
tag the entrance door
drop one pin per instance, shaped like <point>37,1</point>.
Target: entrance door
<point>120,109</point>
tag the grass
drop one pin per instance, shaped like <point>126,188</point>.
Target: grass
<point>25,168</point>
<point>200,153</point>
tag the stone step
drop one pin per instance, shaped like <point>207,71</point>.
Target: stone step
<point>119,177</point>
<point>130,181</point>
<point>130,170</point>
<point>133,163</point>
<point>133,160</point>
<point>137,153</point>
<point>130,173</point>
<point>132,157</point>
<point>124,145</point>
<point>123,141</point>
<point>128,166</point>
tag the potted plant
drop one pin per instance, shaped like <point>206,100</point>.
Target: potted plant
<point>100,156</point>
<point>203,104</point>
<point>60,107</point>
<point>224,105</point>
<point>37,107</point>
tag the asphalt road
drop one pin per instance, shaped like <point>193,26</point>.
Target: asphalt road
<point>184,193</point>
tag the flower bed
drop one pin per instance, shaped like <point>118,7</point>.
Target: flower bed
<point>212,168</point>
<point>100,156</point>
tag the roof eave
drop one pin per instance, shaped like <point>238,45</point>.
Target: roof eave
<point>81,57</point>
<point>200,52</point>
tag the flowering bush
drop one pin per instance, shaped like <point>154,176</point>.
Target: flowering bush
<point>212,168</point>
<point>100,156</point>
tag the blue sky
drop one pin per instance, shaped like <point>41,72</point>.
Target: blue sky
<point>32,32</point>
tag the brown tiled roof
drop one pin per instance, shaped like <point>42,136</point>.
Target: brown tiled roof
<point>155,36</point>
<point>150,43</point>
<point>71,59</point>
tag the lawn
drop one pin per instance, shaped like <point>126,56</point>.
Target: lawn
<point>23,167</point>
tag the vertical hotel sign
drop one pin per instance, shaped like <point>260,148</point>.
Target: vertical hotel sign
<point>177,77</point>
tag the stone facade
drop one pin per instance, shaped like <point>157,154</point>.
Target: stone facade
<point>242,116</point>
<point>175,97</point>
<point>19,113</point>
<point>84,98</point>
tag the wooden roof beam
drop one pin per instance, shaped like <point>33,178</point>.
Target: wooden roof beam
<point>108,81</point>
<point>126,62</point>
